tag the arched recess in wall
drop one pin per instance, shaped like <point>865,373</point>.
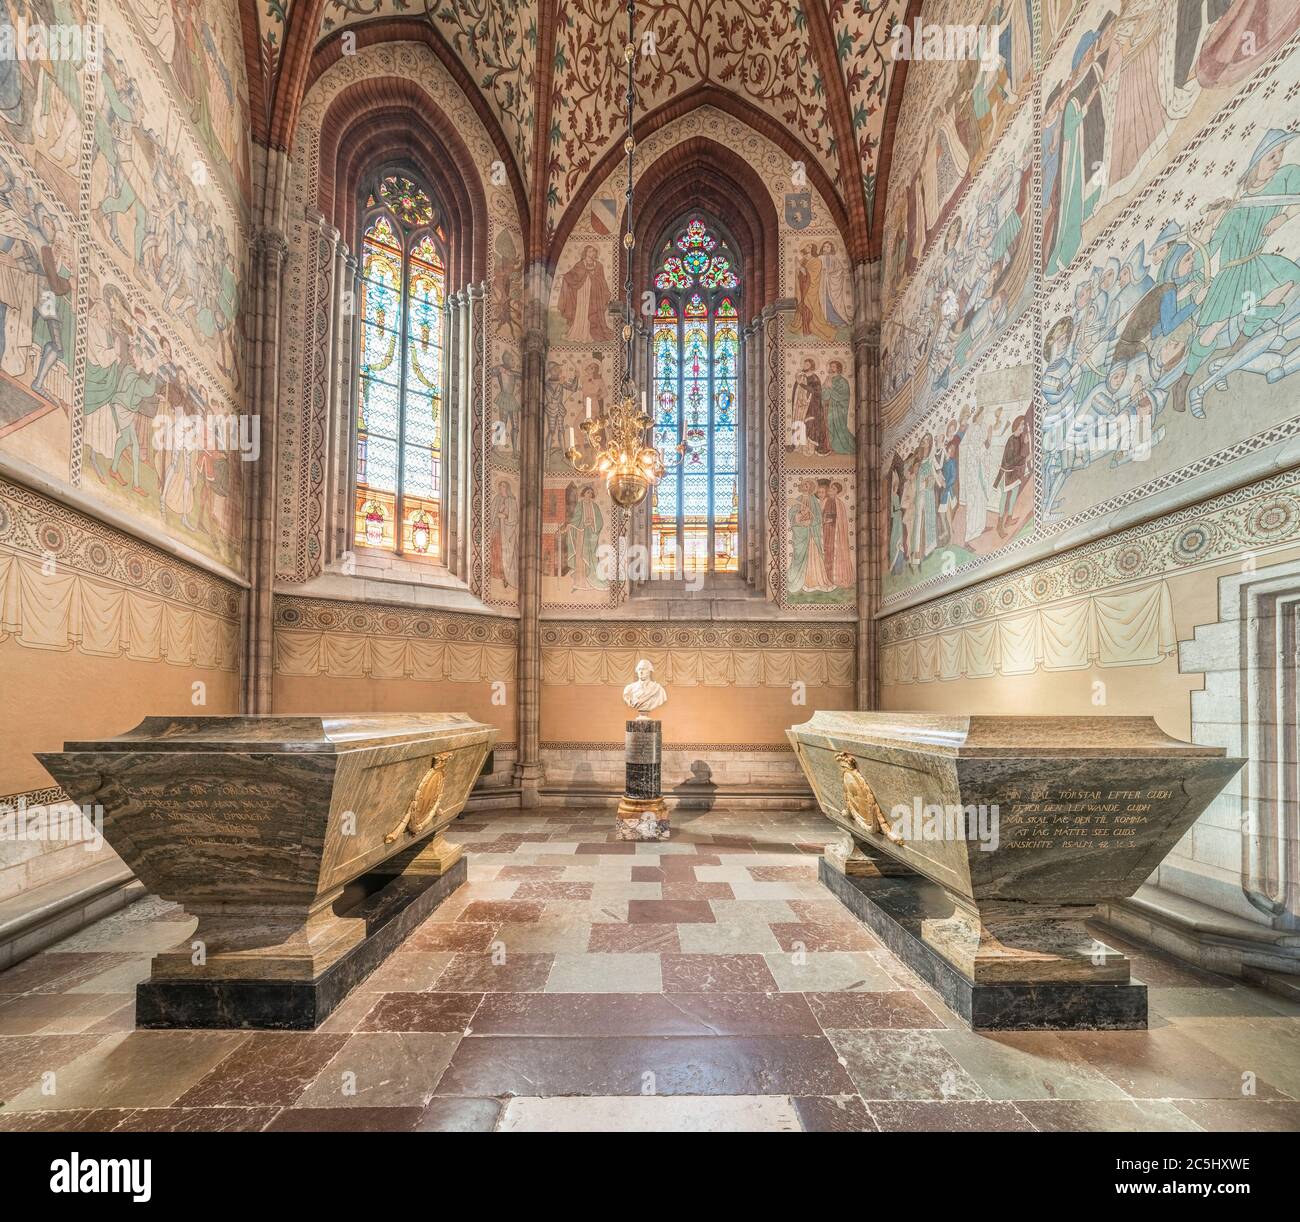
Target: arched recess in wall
<point>383,124</point>
<point>700,178</point>
<point>415,30</point>
<point>367,125</point>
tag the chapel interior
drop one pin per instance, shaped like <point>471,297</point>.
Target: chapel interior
<point>554,545</point>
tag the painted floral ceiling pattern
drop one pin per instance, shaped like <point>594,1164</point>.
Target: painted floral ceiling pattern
<point>863,34</point>
<point>757,48</point>
<point>761,50</point>
<point>496,41</point>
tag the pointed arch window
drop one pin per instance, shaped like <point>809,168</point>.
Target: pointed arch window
<point>695,350</point>
<point>399,502</point>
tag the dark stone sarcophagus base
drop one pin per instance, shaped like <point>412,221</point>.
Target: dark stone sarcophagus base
<point>305,846</point>
<point>393,911</point>
<point>642,814</point>
<point>894,908</point>
<point>978,848</point>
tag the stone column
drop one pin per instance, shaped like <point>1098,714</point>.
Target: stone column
<point>866,381</point>
<point>270,250</point>
<point>752,418</point>
<point>472,440</point>
<point>528,765</point>
<point>456,330</point>
<point>338,416</point>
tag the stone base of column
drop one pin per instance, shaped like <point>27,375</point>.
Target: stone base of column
<point>529,777</point>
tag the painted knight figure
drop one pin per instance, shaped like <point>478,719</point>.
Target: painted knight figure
<point>642,814</point>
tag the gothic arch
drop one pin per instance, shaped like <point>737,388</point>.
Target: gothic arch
<point>360,129</point>
<point>699,173</point>
<point>407,29</point>
<point>724,160</point>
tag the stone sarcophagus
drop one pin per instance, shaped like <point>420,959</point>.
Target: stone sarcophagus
<point>307,847</point>
<point>978,847</point>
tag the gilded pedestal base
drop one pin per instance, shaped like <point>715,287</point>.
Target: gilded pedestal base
<point>642,819</point>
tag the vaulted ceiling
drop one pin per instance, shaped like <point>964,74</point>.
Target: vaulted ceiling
<point>815,75</point>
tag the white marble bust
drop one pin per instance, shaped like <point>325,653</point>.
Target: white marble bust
<point>644,695</point>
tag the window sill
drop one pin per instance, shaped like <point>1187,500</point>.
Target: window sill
<point>403,585</point>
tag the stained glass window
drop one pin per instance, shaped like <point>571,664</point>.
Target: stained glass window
<point>399,400</point>
<point>695,521</point>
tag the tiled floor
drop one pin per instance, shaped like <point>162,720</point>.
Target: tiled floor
<point>706,983</point>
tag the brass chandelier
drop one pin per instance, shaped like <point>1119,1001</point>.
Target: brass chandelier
<point>620,450</point>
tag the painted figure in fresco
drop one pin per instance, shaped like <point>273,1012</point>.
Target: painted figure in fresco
<point>836,551</point>
<point>944,166</point>
<point>1249,314</point>
<point>555,409</point>
<point>581,539</point>
<point>1012,472</point>
<point>807,559</point>
<point>897,520</point>
<point>584,298</point>
<point>35,287</point>
<point>592,388</point>
<point>925,518</point>
<point>949,477</point>
<point>116,125</point>
<point>1193,18</point>
<point>120,388</point>
<point>837,287</point>
<point>978,280</point>
<point>972,483</point>
<point>1245,36</point>
<point>507,307</point>
<point>1140,119</point>
<point>179,494</point>
<point>506,535</point>
<point>808,408</point>
<point>40,98</point>
<point>156,20</point>
<point>816,310</point>
<point>54,315</point>
<point>506,376</point>
<point>1075,120</point>
<point>837,397</point>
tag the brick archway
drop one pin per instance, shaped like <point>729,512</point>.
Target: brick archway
<point>701,174</point>
<point>722,163</point>
<point>386,119</point>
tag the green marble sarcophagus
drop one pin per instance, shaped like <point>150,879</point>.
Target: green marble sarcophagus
<point>304,846</point>
<point>981,846</point>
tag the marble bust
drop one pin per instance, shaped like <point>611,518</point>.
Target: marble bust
<point>644,695</point>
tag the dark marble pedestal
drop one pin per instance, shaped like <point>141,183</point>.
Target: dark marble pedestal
<point>895,908</point>
<point>642,814</point>
<point>391,906</point>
